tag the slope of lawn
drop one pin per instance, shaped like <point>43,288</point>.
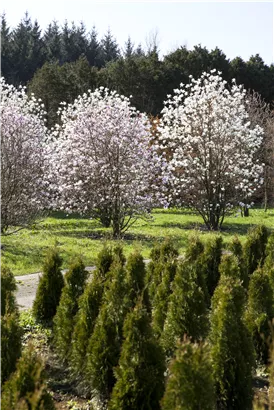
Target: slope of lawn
<point>23,251</point>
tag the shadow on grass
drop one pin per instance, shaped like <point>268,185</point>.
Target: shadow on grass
<point>236,228</point>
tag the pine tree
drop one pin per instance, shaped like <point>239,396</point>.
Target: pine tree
<point>8,287</point>
<point>255,248</point>
<point>260,313</point>
<point>26,388</point>
<point>75,280</point>
<point>89,306</point>
<point>105,342</point>
<point>231,346</point>
<point>190,383</point>
<point>187,311</point>
<point>49,288</point>
<point>140,374</point>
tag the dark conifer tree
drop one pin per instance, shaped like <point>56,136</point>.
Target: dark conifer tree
<point>109,49</point>
<point>140,373</point>
<point>6,56</point>
<point>190,383</point>
<point>75,280</point>
<point>52,40</point>
<point>49,287</point>
<point>211,260</point>
<point>231,346</point>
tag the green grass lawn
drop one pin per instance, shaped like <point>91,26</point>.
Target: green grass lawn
<point>23,252</point>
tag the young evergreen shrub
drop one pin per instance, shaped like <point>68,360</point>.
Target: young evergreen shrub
<point>194,248</point>
<point>8,287</point>
<point>255,248</point>
<point>187,310</point>
<point>140,374</point>
<point>229,267</point>
<point>161,255</point>
<point>211,259</point>
<point>260,313</point>
<point>89,305</point>
<point>190,383</point>
<point>64,319</point>
<point>237,250</point>
<point>269,260</point>
<point>11,343</point>
<point>104,260</point>
<point>231,346</point>
<point>49,288</point>
<point>26,388</point>
<point>105,342</point>
<point>135,278</point>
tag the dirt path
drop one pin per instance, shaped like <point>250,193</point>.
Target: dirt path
<point>27,286</point>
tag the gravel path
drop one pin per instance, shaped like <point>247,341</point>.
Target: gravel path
<point>27,286</point>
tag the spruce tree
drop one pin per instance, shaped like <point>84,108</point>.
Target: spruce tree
<point>8,287</point>
<point>260,313</point>
<point>255,248</point>
<point>190,383</point>
<point>187,310</point>
<point>26,387</point>
<point>89,306</point>
<point>231,346</point>
<point>140,373</point>
<point>105,342</point>
<point>75,280</point>
<point>49,287</point>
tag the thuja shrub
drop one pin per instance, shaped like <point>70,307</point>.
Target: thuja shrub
<point>11,343</point>
<point>194,249</point>
<point>64,319</point>
<point>260,313</point>
<point>255,248</point>
<point>269,260</point>
<point>187,311</point>
<point>237,250</point>
<point>26,388</point>
<point>211,260</point>
<point>229,267</point>
<point>8,287</point>
<point>231,346</point>
<point>135,278</point>
<point>49,288</point>
<point>105,342</point>
<point>104,261</point>
<point>163,256</point>
<point>190,384</point>
<point>89,306</point>
<point>140,373</point>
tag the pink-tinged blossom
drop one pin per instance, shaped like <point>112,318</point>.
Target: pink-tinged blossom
<point>206,130</point>
<point>103,163</point>
<point>23,138</point>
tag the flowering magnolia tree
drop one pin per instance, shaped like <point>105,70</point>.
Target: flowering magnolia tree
<point>212,147</point>
<point>102,161</point>
<point>23,136</point>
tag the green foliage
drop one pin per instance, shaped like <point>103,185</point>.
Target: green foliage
<point>135,278</point>
<point>255,248</point>
<point>237,250</point>
<point>231,346</point>
<point>68,307</point>
<point>211,259</point>
<point>105,342</point>
<point>8,287</point>
<point>260,313</point>
<point>11,336</point>
<point>187,311</point>
<point>194,248</point>
<point>49,288</point>
<point>161,255</point>
<point>269,260</point>
<point>140,374</point>
<point>190,383</point>
<point>26,389</point>
<point>104,260</point>
<point>229,267</point>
